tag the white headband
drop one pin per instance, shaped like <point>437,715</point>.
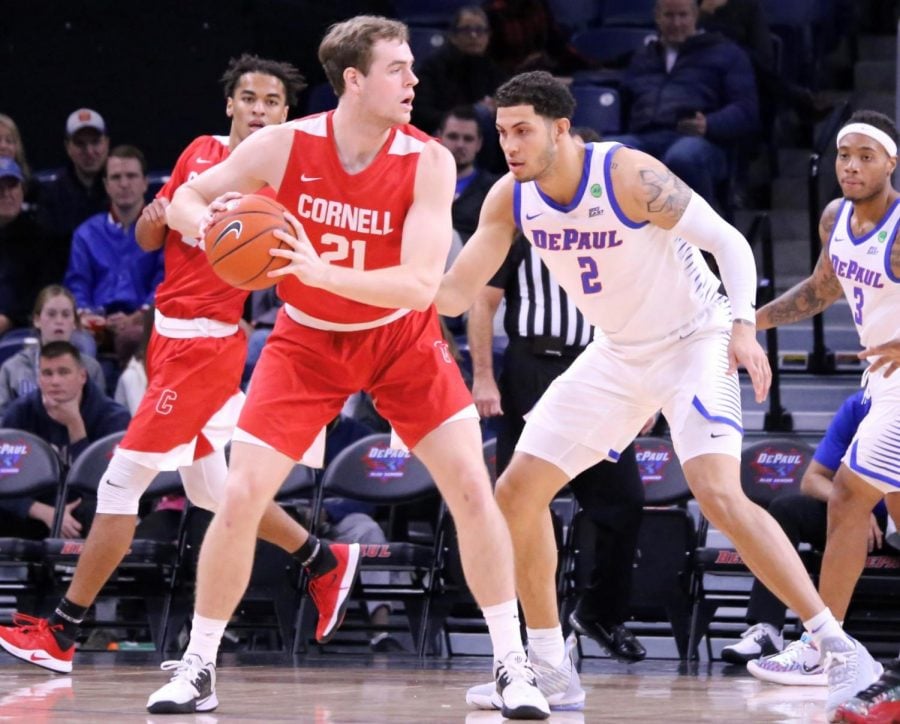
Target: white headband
<point>876,134</point>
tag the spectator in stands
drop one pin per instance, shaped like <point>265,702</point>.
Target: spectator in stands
<point>744,22</point>
<point>24,251</point>
<point>525,36</point>
<point>804,517</point>
<point>459,131</point>
<point>112,278</point>
<point>459,73</point>
<point>689,96</point>
<point>68,411</point>
<point>54,319</point>
<point>75,192</point>
<point>11,145</point>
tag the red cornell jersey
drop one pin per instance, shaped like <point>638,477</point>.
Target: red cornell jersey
<point>190,288</point>
<point>353,220</point>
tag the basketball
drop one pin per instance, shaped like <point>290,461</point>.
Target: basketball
<point>238,244</point>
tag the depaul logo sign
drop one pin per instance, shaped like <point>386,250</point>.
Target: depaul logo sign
<point>386,462</point>
<point>778,467</point>
<point>652,462</point>
<point>11,454</point>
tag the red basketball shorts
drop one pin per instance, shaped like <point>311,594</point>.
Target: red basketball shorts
<point>305,375</point>
<point>192,401</point>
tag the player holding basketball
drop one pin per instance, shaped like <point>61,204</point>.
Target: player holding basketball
<point>623,235</point>
<point>181,422</point>
<point>373,195</point>
<point>860,260</point>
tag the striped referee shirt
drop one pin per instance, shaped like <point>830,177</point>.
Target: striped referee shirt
<point>536,306</point>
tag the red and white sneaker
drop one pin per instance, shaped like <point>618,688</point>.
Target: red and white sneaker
<point>31,639</point>
<point>331,591</point>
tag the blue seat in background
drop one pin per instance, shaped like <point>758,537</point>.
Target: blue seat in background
<point>608,44</point>
<point>598,107</point>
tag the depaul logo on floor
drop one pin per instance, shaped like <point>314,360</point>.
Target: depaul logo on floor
<point>11,454</point>
<point>386,462</point>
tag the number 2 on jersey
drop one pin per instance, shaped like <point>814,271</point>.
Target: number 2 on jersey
<point>589,282</point>
<point>859,299</point>
<point>343,247</point>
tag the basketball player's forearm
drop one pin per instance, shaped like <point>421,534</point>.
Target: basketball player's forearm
<point>801,302</point>
<point>185,211</point>
<point>480,333</point>
<point>396,287</point>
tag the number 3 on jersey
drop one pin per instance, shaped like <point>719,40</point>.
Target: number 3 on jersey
<point>343,248</point>
<point>589,282</point>
<point>858,309</point>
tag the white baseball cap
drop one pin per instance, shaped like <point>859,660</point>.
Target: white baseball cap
<point>84,118</point>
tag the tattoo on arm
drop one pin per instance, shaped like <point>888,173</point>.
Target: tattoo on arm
<point>664,193</point>
<point>805,300</point>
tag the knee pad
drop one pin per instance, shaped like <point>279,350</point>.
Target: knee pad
<point>122,485</point>
<point>204,480</point>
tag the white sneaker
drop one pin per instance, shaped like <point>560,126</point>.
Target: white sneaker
<point>850,669</point>
<point>191,688</point>
<point>761,639</point>
<point>798,665</point>
<point>514,691</point>
<point>560,686</point>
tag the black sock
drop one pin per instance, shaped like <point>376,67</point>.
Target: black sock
<point>315,555</point>
<point>68,615</point>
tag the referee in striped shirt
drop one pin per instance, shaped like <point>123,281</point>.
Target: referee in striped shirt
<point>546,333</point>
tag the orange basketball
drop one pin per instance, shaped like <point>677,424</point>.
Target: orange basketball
<point>238,244</point>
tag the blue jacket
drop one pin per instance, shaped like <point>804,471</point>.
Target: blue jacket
<point>711,75</point>
<point>108,270</point>
<point>102,416</point>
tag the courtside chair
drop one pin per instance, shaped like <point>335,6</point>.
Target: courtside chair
<point>769,468</point>
<point>29,467</point>
<point>370,471</point>
<point>147,571</point>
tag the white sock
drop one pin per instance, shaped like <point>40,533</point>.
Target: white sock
<point>547,644</point>
<point>822,626</point>
<point>503,625</point>
<point>206,634</point>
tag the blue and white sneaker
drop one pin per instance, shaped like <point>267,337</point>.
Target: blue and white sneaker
<point>798,665</point>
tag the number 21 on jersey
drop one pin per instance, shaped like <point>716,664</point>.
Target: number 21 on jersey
<point>342,249</point>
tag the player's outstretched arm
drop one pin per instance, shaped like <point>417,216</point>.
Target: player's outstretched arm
<point>257,161</point>
<point>482,254</point>
<point>815,293</point>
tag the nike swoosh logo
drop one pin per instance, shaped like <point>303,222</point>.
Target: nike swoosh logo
<point>235,226</point>
<point>721,434</point>
<point>529,217</point>
<point>203,160</point>
<point>110,482</point>
<point>35,657</point>
<point>809,669</point>
<point>305,179</point>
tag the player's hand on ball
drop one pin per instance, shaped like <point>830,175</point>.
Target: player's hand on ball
<point>303,261</point>
<point>216,208</point>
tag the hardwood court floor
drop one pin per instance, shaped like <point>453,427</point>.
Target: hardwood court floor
<point>369,690</point>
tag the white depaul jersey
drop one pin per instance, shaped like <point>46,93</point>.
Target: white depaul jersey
<point>634,281</point>
<point>863,266</point>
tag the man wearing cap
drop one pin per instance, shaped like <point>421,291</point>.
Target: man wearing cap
<point>860,259</point>
<point>24,250</point>
<point>76,191</point>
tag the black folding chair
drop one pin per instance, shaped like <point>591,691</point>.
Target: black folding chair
<point>29,468</point>
<point>769,468</point>
<point>370,471</point>
<point>146,572</point>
